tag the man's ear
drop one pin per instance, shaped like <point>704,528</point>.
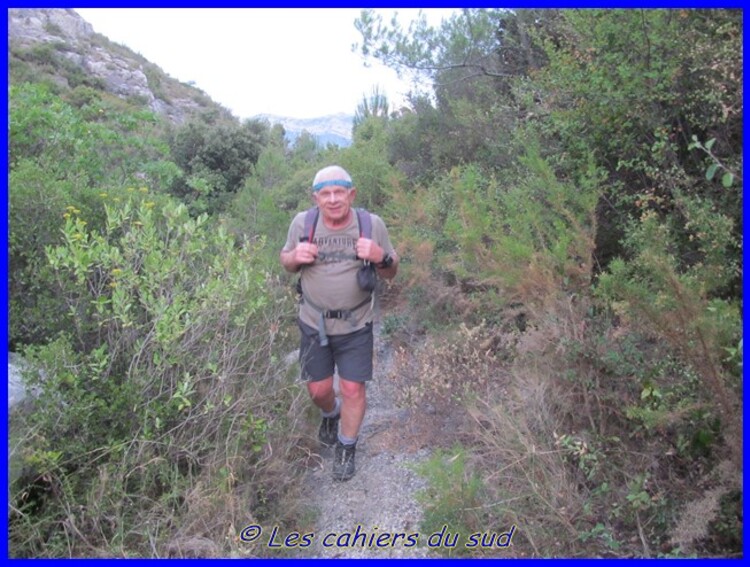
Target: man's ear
<point>352,194</point>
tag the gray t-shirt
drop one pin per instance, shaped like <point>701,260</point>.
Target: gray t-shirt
<point>331,282</point>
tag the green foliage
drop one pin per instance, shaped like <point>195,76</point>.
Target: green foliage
<point>674,302</point>
<point>256,214</point>
<point>149,386</point>
<point>94,144</point>
<point>46,63</point>
<point>84,96</point>
<point>602,533</point>
<point>461,50</point>
<point>374,106</point>
<point>453,498</point>
<point>35,210</point>
<point>393,324</point>
<point>61,156</point>
<point>417,144</point>
<point>472,60</point>
<point>366,161</point>
<point>611,158</point>
<point>215,158</point>
<point>277,187</point>
<point>728,177</point>
<point>131,269</point>
<point>635,87</point>
<point>155,82</point>
<point>529,231</point>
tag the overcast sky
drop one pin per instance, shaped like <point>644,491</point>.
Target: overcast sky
<point>294,62</point>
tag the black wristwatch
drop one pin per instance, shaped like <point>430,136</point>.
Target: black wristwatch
<point>387,261</point>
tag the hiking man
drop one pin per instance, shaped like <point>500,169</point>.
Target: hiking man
<point>338,250</point>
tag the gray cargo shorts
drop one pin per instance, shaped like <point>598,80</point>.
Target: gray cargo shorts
<point>350,354</point>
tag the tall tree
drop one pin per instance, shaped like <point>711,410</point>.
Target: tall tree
<point>215,159</point>
<point>376,105</point>
<point>472,62</point>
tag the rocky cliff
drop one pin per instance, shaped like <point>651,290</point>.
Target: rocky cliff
<point>59,47</point>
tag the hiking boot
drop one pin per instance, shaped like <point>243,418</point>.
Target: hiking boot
<point>328,434</point>
<point>343,461</point>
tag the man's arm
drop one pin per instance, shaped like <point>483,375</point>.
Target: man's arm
<point>287,260</point>
<point>389,272</point>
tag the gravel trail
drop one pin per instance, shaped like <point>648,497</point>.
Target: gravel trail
<point>375,514</point>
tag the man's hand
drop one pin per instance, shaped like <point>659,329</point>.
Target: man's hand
<point>302,254</point>
<point>369,250</point>
<point>305,253</point>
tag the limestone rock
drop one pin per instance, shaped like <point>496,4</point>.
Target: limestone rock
<point>122,72</point>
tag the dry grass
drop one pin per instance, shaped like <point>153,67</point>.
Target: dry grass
<point>559,454</point>
<point>514,431</point>
<point>444,371</point>
<point>695,519</point>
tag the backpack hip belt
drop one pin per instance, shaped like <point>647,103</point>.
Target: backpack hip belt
<point>324,314</point>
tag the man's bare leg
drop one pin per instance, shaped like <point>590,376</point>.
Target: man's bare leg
<point>353,406</point>
<point>322,394</point>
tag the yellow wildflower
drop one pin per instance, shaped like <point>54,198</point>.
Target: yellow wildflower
<point>143,189</point>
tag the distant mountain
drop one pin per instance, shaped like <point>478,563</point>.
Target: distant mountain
<point>335,128</point>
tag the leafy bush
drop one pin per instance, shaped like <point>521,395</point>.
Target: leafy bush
<point>452,501</point>
<point>656,293</point>
<point>607,437</point>
<point>65,156</point>
<point>163,392</point>
<point>216,158</point>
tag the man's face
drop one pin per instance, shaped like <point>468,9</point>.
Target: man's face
<point>335,202</point>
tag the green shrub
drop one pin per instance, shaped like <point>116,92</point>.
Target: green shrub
<point>163,392</point>
<point>655,292</point>
<point>452,501</point>
<point>64,155</point>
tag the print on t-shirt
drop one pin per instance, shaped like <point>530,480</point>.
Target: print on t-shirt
<point>334,249</point>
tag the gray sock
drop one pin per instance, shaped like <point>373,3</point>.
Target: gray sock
<point>334,412</point>
<point>344,440</point>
